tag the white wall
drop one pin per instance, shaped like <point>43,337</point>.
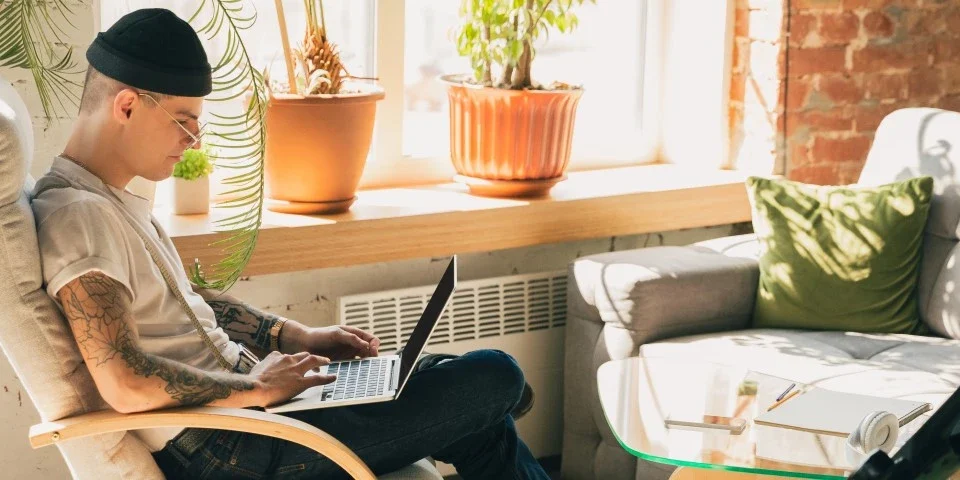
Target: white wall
<point>308,296</point>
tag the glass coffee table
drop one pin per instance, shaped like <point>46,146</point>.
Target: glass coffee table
<point>638,394</point>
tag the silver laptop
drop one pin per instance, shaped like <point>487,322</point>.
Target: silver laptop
<point>377,379</point>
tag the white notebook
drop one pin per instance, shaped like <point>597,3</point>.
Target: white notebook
<point>836,413</point>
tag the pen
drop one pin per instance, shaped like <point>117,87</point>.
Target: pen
<point>783,400</point>
<point>786,391</point>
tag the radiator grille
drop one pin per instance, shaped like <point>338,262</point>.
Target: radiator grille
<point>480,308</point>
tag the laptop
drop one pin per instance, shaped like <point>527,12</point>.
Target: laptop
<point>376,379</point>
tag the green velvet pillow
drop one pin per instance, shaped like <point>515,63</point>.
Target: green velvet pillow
<point>839,258</point>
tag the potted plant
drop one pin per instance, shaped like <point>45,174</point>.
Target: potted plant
<point>31,37</point>
<point>319,125</point>
<point>509,135</point>
<point>191,182</point>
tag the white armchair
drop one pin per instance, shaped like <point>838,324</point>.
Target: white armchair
<point>38,343</point>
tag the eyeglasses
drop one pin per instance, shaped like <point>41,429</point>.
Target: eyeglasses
<point>196,138</point>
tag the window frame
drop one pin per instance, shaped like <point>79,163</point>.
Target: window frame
<point>387,166</point>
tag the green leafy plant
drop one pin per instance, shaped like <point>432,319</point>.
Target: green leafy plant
<point>499,36</point>
<point>194,163</point>
<point>241,138</point>
<point>31,33</point>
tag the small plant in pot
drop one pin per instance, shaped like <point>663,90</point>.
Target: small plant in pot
<point>509,135</point>
<point>319,124</point>
<point>191,182</point>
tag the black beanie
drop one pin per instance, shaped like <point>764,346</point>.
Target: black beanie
<point>153,49</point>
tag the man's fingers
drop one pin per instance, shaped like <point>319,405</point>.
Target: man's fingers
<point>355,341</point>
<point>315,380</point>
<point>300,356</point>
<point>311,362</point>
<point>366,336</point>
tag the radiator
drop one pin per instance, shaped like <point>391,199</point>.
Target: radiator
<point>522,315</point>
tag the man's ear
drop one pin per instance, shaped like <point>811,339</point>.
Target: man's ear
<point>124,103</point>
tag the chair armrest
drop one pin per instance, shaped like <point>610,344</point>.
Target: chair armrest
<point>236,419</point>
<point>664,292</point>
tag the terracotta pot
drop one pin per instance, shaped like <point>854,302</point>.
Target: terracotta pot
<point>510,142</point>
<point>317,148</point>
<point>191,196</point>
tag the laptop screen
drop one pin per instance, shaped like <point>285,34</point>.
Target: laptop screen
<point>428,320</point>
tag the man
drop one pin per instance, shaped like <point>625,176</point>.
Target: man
<point>140,107</point>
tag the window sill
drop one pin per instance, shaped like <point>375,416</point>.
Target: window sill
<point>439,220</point>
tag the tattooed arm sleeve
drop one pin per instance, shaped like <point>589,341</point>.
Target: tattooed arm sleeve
<point>130,380</point>
<point>244,323</point>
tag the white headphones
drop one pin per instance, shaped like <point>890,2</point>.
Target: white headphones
<point>877,430</point>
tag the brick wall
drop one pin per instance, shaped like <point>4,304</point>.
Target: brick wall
<point>847,63</point>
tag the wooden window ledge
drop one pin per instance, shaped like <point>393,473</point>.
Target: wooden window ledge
<point>439,220</point>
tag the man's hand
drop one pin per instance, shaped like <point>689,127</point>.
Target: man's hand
<point>339,342</point>
<point>280,377</point>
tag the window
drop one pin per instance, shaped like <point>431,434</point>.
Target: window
<point>606,54</point>
<point>408,44</point>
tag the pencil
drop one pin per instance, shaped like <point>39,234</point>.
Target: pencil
<point>782,400</point>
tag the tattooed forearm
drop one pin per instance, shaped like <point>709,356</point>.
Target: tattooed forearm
<point>99,315</point>
<point>244,323</point>
<point>186,386</point>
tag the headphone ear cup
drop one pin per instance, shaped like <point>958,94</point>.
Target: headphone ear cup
<point>855,440</point>
<point>877,430</point>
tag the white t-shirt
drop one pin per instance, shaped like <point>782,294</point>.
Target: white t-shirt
<point>84,228</point>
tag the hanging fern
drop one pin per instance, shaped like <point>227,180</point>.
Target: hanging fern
<point>29,32</point>
<point>243,137</point>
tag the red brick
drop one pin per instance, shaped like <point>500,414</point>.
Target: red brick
<point>868,118</point>
<point>817,121</point>
<point>738,87</point>
<point>950,74</point>
<point>800,27</point>
<point>839,27</point>
<point>949,102</point>
<point>798,91</point>
<point>799,155</point>
<point>850,172</point>
<point>842,89</point>
<point>741,22</point>
<point>924,82</point>
<point>816,4</point>
<point>815,174</point>
<point>877,25</point>
<point>882,86</point>
<point>946,48</point>
<point>873,58</point>
<point>840,150</point>
<point>805,61</point>
<point>877,4</point>
<point>952,19</point>
<point>923,22</point>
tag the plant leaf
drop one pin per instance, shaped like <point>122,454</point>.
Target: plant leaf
<point>242,138</point>
<point>29,35</point>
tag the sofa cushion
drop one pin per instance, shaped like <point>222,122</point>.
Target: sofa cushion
<point>839,258</point>
<point>890,365</point>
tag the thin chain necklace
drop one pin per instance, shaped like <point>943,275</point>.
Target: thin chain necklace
<point>78,162</point>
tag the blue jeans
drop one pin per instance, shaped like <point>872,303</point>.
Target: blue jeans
<point>457,412</point>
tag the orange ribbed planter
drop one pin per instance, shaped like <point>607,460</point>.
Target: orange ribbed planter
<point>316,150</point>
<point>510,142</point>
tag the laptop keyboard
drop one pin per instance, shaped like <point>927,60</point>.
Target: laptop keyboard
<point>356,378</point>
